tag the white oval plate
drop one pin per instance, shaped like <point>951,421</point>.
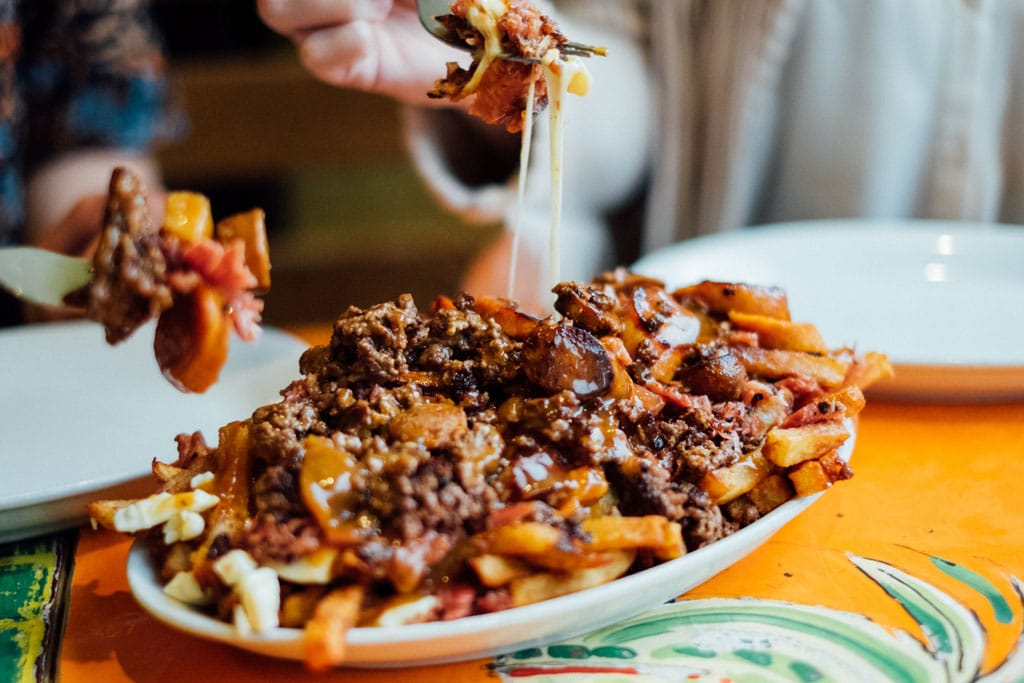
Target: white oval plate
<point>944,300</point>
<point>82,420</point>
<point>488,634</point>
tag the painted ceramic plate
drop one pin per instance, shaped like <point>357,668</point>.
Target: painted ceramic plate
<point>484,635</point>
<point>82,420</point>
<point>944,300</point>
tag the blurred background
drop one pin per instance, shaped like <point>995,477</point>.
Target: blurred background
<point>349,221</point>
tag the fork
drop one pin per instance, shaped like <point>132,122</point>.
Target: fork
<point>430,10</point>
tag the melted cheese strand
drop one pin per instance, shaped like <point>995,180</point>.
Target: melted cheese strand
<point>524,165</point>
<point>562,76</point>
<point>483,15</point>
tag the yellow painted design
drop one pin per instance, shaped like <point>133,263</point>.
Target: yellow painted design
<point>25,625</point>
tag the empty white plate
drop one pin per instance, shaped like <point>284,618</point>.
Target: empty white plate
<point>82,420</point>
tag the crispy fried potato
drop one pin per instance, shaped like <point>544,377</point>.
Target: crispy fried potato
<point>323,643</point>
<point>774,333</point>
<point>869,368</point>
<point>728,483</point>
<point>567,560</point>
<point>101,512</point>
<point>497,570</point>
<point>652,532</point>
<point>723,297</point>
<point>546,585</point>
<point>792,446</point>
<point>771,492</point>
<point>809,477</point>
<point>298,607</point>
<point>522,538</point>
<point>777,363</point>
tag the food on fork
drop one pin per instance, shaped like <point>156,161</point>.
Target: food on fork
<point>509,39</point>
<point>198,279</point>
<point>433,465</point>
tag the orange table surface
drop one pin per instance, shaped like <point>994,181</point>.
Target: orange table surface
<point>935,487</point>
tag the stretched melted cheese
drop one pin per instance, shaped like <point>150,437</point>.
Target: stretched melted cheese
<point>483,15</point>
<point>562,76</point>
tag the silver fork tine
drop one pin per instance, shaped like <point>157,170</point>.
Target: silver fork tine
<point>429,10</point>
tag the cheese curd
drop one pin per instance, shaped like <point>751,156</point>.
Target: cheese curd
<point>257,588</point>
<point>179,512</point>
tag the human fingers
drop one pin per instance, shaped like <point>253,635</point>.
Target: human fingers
<point>395,58</point>
<point>75,234</point>
<point>295,18</point>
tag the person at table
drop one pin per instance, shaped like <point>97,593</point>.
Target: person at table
<point>83,89</point>
<point>716,114</point>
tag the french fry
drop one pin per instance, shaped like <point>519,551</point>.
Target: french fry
<point>777,363</point>
<point>546,585</point>
<point>521,538</point>
<point>771,492</point>
<point>728,483</point>
<point>652,532</point>
<point>774,333</point>
<point>497,570</point>
<point>323,643</point>
<point>809,477</point>
<point>102,512</point>
<point>792,446</point>
<point>567,560</point>
<point>297,608</point>
<point>870,368</point>
<point>723,297</point>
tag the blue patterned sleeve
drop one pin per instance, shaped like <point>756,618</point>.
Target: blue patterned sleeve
<point>93,75</point>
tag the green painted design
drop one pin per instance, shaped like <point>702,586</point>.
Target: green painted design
<point>613,652</point>
<point>951,630</point>
<point>756,641</point>
<point>806,673</point>
<point>10,654</point>
<point>568,652</point>
<point>1000,607</point>
<point>691,651</point>
<point>31,576</point>
<point>887,658</point>
<point>759,657</point>
<point>529,653</point>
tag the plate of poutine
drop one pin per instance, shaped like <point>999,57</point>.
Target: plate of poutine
<point>481,635</point>
<point>938,297</point>
<point>446,484</point>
